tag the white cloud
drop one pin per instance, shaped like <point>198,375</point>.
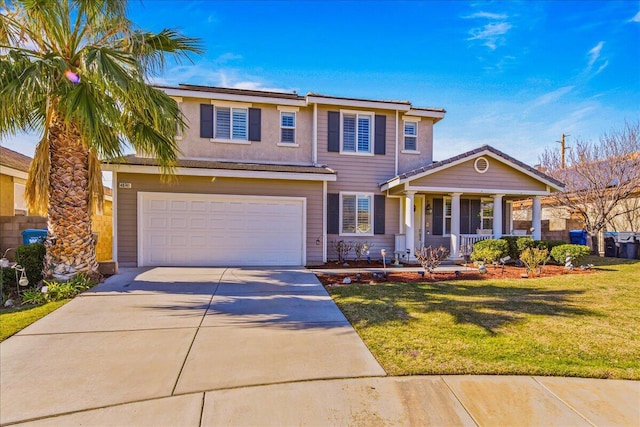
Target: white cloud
<point>550,97</point>
<point>595,58</point>
<point>487,15</point>
<point>635,18</point>
<point>490,34</point>
<point>594,53</point>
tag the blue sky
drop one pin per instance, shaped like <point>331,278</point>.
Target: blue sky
<point>514,75</point>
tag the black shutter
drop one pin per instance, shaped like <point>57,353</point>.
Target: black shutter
<point>437,216</point>
<point>465,216</point>
<point>254,124</point>
<point>333,143</point>
<point>206,121</point>
<point>381,135</point>
<point>333,213</point>
<point>378,213</point>
<point>475,215</point>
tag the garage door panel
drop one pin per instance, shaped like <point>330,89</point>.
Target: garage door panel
<point>217,230</point>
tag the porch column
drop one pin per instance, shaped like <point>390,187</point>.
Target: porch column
<point>408,222</point>
<point>536,218</point>
<point>497,216</point>
<point>455,225</point>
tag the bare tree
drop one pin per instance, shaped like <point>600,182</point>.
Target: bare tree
<point>600,179</point>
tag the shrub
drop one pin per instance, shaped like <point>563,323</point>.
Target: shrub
<point>512,241</point>
<point>490,250</point>
<point>56,291</point>
<point>559,253</point>
<point>525,243</point>
<point>430,258</point>
<point>533,257</point>
<point>33,297</point>
<point>7,281</point>
<point>361,249</point>
<point>31,257</point>
<point>342,249</point>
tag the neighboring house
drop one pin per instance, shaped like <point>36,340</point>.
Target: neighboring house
<point>268,178</point>
<point>15,218</point>
<point>14,168</point>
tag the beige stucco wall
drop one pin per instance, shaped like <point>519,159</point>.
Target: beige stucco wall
<point>6,195</point>
<point>464,175</point>
<point>409,161</point>
<point>128,210</point>
<point>265,150</point>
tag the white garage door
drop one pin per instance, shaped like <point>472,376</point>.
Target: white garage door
<point>220,230</point>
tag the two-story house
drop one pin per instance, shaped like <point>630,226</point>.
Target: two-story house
<point>269,178</point>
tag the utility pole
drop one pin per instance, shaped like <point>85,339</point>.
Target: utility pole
<point>562,150</point>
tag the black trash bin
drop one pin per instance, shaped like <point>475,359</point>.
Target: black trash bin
<point>610,248</point>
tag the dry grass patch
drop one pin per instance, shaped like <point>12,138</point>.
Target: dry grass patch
<point>573,325</point>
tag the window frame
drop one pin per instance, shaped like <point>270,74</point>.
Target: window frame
<point>358,114</point>
<point>405,136</point>
<point>446,231</point>
<point>293,128</point>
<point>483,217</point>
<point>231,106</point>
<point>357,196</point>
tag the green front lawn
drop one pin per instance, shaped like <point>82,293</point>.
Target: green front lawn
<point>573,325</point>
<point>13,320</point>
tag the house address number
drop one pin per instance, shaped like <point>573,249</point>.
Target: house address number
<point>124,185</point>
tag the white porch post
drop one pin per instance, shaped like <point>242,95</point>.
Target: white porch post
<point>408,222</point>
<point>497,216</point>
<point>455,225</point>
<point>536,218</point>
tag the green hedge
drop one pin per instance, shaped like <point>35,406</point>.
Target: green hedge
<point>559,253</point>
<point>490,250</point>
<point>31,257</point>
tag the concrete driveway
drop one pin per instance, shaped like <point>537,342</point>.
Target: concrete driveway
<point>150,334</point>
<point>214,346</point>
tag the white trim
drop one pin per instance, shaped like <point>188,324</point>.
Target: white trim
<point>287,144</point>
<point>230,141</point>
<point>404,136</point>
<point>371,214</point>
<point>478,190</point>
<point>168,195</point>
<point>178,99</point>
<point>397,142</point>
<point>288,109</point>
<point>435,115</point>
<point>475,164</point>
<point>324,221</point>
<point>406,118</point>
<point>397,181</point>
<point>6,170</point>
<point>410,152</point>
<point>231,104</point>
<point>372,132</point>
<point>314,136</point>
<point>232,97</point>
<point>114,216</point>
<point>294,127</point>
<point>358,103</point>
<point>227,173</point>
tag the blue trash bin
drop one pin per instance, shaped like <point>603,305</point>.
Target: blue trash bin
<point>33,235</point>
<point>578,237</point>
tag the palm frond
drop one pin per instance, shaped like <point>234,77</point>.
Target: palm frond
<point>37,188</point>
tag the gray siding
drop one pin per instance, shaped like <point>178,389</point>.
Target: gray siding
<point>464,175</point>
<point>128,209</point>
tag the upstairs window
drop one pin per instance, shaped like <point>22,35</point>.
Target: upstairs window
<point>356,213</point>
<point>231,123</point>
<point>288,127</point>
<point>356,133</point>
<point>410,136</point>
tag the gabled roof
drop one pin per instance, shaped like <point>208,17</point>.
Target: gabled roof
<point>234,168</point>
<point>14,160</point>
<point>480,151</point>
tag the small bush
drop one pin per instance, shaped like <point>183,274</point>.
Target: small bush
<point>512,241</point>
<point>490,250</point>
<point>559,253</point>
<point>31,257</point>
<point>430,258</point>
<point>342,248</point>
<point>33,297</point>
<point>56,291</point>
<point>525,243</point>
<point>7,281</point>
<point>532,258</point>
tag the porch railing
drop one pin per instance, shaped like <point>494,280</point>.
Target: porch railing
<point>468,240</point>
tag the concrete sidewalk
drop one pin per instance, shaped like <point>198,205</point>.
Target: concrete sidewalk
<point>207,346</point>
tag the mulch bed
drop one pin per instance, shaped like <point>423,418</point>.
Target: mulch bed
<point>510,272</point>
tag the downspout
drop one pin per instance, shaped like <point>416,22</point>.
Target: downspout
<point>396,168</point>
<point>314,137</point>
<point>114,216</point>
<point>324,221</point>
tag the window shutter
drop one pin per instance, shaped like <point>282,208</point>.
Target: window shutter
<point>465,220</point>
<point>475,216</point>
<point>254,124</point>
<point>206,121</point>
<point>438,206</point>
<point>378,213</point>
<point>381,135</point>
<point>333,213</point>
<point>333,143</point>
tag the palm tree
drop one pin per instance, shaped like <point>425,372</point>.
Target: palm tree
<point>76,72</point>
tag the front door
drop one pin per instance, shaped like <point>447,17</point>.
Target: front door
<point>418,221</point>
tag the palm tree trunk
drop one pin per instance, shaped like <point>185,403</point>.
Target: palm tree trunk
<point>71,248</point>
